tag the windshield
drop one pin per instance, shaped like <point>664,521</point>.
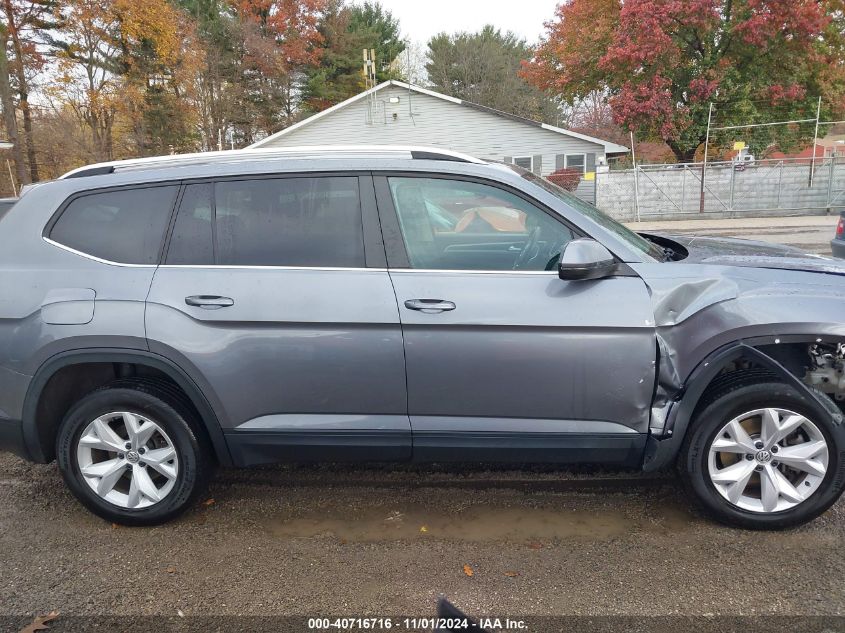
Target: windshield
<point>585,208</point>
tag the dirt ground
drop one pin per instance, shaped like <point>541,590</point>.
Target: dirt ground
<point>372,541</point>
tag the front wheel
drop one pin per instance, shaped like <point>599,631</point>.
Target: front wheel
<point>132,453</point>
<point>758,457</point>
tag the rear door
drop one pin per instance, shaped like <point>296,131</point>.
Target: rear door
<point>505,361</point>
<point>275,296</point>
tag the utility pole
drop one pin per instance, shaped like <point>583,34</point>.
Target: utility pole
<point>8,105</point>
<point>815,141</point>
<point>704,163</point>
<point>636,176</point>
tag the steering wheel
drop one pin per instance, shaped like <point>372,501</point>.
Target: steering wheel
<point>529,251</point>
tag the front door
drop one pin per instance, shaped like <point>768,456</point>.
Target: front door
<point>504,360</point>
<point>274,295</point>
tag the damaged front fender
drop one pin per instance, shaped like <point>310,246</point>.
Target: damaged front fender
<point>707,317</point>
<point>661,450</point>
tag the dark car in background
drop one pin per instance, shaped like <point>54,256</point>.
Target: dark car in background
<point>837,244</point>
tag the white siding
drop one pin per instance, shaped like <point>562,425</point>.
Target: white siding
<point>419,119</point>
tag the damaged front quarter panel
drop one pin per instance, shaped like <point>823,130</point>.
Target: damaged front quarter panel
<point>674,301</point>
<point>707,316</point>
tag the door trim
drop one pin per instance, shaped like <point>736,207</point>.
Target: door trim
<point>616,449</point>
<point>253,447</point>
<point>520,426</point>
<point>306,422</point>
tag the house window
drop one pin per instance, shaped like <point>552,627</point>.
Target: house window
<point>526,162</point>
<point>576,161</point>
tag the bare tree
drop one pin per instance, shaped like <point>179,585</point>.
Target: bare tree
<point>19,16</point>
<point>8,105</point>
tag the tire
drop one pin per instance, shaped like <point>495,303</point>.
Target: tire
<point>817,488</point>
<point>134,492</point>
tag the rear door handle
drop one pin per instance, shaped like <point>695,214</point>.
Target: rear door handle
<point>429,306</point>
<point>209,302</point>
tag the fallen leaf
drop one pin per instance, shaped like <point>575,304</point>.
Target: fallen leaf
<point>535,545</point>
<point>208,502</point>
<point>511,574</point>
<point>170,570</point>
<point>114,526</point>
<point>343,541</point>
<point>424,529</point>
<point>40,622</point>
<point>468,570</point>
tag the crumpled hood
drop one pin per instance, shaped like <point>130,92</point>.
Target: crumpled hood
<point>729,251</point>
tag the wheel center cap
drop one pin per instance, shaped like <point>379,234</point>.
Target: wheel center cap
<point>133,457</point>
<point>763,457</point>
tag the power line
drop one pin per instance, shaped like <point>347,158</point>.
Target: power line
<point>742,127</point>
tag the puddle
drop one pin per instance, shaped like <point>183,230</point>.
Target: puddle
<point>476,524</point>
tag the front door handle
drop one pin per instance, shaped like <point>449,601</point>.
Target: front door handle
<point>209,302</point>
<point>429,306</point>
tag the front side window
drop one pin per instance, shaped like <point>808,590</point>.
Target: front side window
<point>309,221</point>
<point>125,226</point>
<point>462,225</point>
<point>592,212</point>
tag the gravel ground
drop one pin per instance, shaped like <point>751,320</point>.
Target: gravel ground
<point>372,541</point>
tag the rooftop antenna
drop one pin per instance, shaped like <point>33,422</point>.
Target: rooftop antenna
<point>370,82</point>
<point>410,79</point>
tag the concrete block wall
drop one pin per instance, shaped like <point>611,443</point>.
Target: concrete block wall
<point>770,188</point>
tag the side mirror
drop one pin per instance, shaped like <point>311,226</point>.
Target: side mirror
<point>585,259</point>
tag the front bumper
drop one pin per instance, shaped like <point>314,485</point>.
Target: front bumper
<point>11,438</point>
<point>837,246</point>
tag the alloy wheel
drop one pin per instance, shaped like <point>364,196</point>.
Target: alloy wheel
<point>768,460</point>
<point>127,459</point>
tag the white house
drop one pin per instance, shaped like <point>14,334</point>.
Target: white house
<point>396,113</point>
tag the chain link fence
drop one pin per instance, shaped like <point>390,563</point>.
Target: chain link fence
<point>749,166</point>
<point>730,189</point>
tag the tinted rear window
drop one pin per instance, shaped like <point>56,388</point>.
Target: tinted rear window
<point>300,221</point>
<point>125,226</point>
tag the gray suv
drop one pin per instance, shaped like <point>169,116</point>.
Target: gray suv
<point>161,316</point>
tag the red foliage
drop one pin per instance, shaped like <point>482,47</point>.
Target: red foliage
<point>796,18</point>
<point>566,178</point>
<point>662,61</point>
<point>282,34</point>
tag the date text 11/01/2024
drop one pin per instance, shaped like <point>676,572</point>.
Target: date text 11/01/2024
<point>415,624</point>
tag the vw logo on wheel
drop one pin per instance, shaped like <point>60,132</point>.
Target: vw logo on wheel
<point>764,457</point>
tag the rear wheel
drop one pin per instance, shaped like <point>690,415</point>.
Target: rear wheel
<point>758,457</point>
<point>132,453</point>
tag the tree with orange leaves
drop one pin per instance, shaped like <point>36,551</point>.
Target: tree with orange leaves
<point>113,55</point>
<point>280,39</point>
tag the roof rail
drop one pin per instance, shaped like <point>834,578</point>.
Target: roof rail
<point>248,155</point>
<point>90,171</point>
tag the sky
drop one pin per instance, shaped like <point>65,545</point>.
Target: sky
<point>420,19</point>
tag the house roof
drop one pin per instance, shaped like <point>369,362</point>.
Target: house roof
<point>609,148</point>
